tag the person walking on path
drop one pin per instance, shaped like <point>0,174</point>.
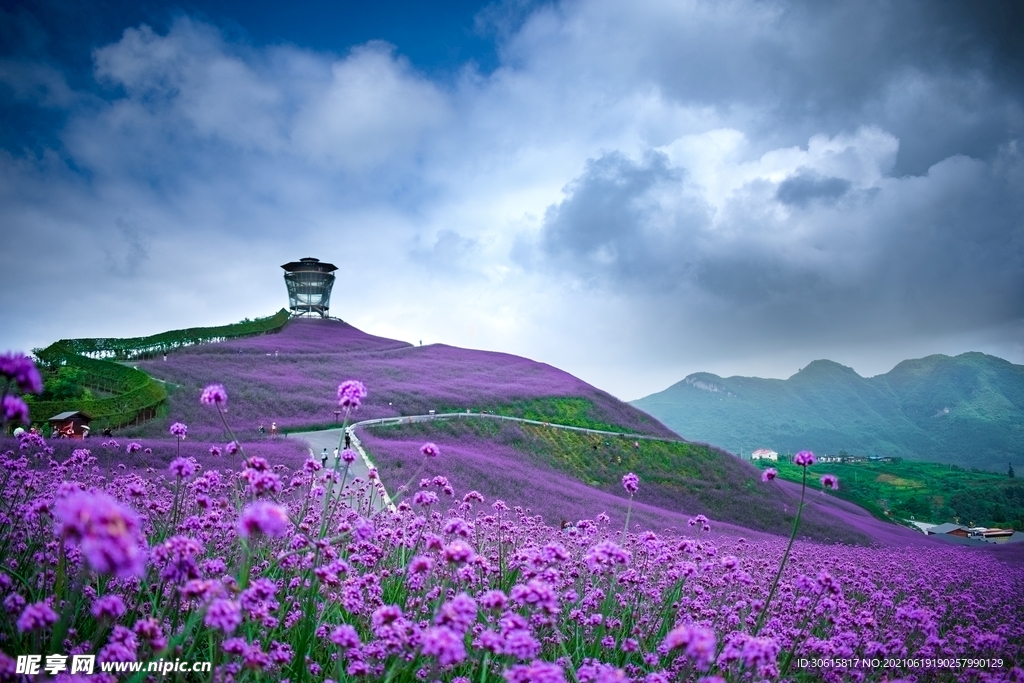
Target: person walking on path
<point>323,458</point>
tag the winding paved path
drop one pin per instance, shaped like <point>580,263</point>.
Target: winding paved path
<point>330,438</point>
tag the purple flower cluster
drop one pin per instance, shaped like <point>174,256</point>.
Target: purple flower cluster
<point>108,533</point>
<point>20,373</point>
<point>631,483</point>
<point>269,519</point>
<point>20,376</point>
<point>214,395</point>
<point>804,459</point>
<point>351,394</point>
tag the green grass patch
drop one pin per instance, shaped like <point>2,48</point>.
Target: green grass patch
<point>569,410</point>
<point>923,491</point>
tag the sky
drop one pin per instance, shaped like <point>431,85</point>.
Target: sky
<point>632,192</point>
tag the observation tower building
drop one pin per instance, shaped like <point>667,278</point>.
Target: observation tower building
<point>309,283</point>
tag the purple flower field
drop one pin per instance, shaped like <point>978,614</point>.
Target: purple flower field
<point>283,378</point>
<point>500,471</point>
<point>276,573</point>
<point>501,463</point>
<point>157,454</point>
<point>271,568</point>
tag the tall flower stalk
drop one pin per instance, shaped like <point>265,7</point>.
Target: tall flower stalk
<point>631,483</point>
<point>804,459</point>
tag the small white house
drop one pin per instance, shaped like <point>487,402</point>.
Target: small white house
<point>764,454</point>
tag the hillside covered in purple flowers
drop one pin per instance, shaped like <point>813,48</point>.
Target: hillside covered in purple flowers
<point>283,378</point>
<point>287,378</point>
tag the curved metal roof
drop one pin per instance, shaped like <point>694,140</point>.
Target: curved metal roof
<point>310,264</point>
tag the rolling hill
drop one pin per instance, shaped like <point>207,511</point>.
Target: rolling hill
<point>290,377</point>
<point>966,410</point>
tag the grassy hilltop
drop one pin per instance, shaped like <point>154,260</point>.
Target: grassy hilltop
<point>966,410</point>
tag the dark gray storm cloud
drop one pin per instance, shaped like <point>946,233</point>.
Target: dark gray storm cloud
<point>804,188</point>
<point>944,77</point>
<point>614,225</point>
<point>934,253</point>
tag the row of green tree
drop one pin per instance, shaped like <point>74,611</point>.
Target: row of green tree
<point>86,375</point>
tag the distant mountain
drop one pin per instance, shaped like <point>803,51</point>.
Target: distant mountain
<point>967,410</point>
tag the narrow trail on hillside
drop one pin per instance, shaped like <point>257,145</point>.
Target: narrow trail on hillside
<point>410,419</point>
<point>329,439</point>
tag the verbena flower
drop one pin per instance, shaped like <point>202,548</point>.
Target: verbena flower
<point>830,481</point>
<point>179,430</point>
<point>36,616</point>
<point>459,613</point>
<point>631,483</point>
<point>15,410</point>
<point>182,467</point>
<point>804,459</point>
<point>108,607</point>
<point>536,671</point>
<point>108,533</point>
<point>269,519</point>
<point>605,555</point>
<point>223,614</point>
<point>21,370</point>
<point>445,644</point>
<point>430,450</point>
<point>176,559</point>
<point>214,395</point>
<point>458,552</point>
<point>351,394</point>
<point>345,636</point>
<point>769,474</point>
<point>133,447</point>
<point>698,644</point>
<point>348,455</point>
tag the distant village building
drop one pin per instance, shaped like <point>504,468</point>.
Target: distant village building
<point>73,424</point>
<point>990,534</point>
<point>764,454</point>
<point>830,458</point>
<point>949,529</point>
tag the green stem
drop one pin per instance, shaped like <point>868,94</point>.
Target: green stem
<point>629,511</point>
<point>785,556</point>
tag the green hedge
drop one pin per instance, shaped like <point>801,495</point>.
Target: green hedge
<point>142,347</point>
<point>130,407</point>
<point>137,396</point>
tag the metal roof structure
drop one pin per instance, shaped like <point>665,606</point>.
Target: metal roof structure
<point>67,415</point>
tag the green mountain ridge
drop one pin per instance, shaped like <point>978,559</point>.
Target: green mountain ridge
<point>966,410</point>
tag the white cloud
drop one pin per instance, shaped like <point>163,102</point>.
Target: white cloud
<point>634,194</point>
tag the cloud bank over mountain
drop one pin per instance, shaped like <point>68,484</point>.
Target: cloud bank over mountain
<point>632,194</point>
